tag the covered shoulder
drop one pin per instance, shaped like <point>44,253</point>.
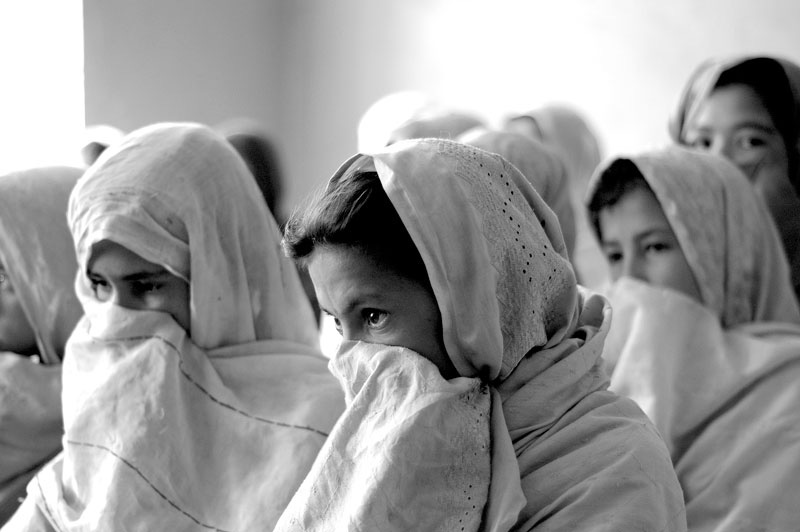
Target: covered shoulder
<point>601,466</point>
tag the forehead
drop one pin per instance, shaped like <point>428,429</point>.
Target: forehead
<point>731,105</point>
<point>635,212</point>
<point>342,273</point>
<point>114,260</point>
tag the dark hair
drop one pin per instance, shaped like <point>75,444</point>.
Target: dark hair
<point>261,158</point>
<point>354,211</point>
<point>768,79</point>
<point>619,179</point>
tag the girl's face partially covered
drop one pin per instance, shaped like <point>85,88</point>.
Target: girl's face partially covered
<point>371,303</point>
<point>122,277</point>
<point>16,333</point>
<point>734,123</point>
<point>639,242</point>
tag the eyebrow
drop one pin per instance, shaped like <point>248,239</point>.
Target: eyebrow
<point>354,303</point>
<point>656,231</point>
<point>136,276</point>
<point>752,124</point>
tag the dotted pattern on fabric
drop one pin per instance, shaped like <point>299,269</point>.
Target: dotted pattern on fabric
<point>482,208</point>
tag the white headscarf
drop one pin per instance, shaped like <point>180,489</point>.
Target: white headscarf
<point>725,233</point>
<point>543,167</point>
<point>210,428</point>
<point>717,377</point>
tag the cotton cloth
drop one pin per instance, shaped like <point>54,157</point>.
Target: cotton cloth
<point>566,131</point>
<point>166,429</point>
<point>718,376</point>
<point>565,454</point>
<point>541,165</point>
<point>36,252</point>
<point>724,399</point>
<point>701,84</point>
<point>725,232</point>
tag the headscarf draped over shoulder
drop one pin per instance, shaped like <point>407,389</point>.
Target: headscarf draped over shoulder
<point>564,453</point>
<point>164,428</point>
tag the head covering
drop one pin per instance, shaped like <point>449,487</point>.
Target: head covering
<point>36,252</point>
<point>213,427</point>
<point>786,113</point>
<point>725,233</point>
<point>717,377</point>
<point>211,238</point>
<point>389,112</point>
<point>261,156</point>
<point>438,123</point>
<point>564,454</point>
<point>543,168</point>
<point>563,129</point>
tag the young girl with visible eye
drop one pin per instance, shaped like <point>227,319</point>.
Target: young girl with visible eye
<point>476,396</point>
<point>38,310</point>
<point>706,331</point>
<point>747,109</point>
<point>193,396</point>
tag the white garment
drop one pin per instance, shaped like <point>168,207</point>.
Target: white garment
<point>167,429</point>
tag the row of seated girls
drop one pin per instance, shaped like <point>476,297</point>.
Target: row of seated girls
<point>477,385</point>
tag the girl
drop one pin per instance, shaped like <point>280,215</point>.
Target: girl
<point>470,362</point>
<point>748,110</point>
<point>38,310</point>
<point>193,398</point>
<point>706,331</point>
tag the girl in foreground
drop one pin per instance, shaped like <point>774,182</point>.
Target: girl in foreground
<point>38,310</point>
<point>193,398</point>
<point>470,360</point>
<point>706,332</point>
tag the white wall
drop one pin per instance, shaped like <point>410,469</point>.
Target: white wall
<point>309,68</point>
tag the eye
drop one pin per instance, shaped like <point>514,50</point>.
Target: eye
<point>337,325</point>
<point>701,142</point>
<point>374,318</point>
<point>5,282</point>
<point>750,142</point>
<point>613,256</point>
<point>145,287</point>
<point>656,247</point>
<point>99,286</point>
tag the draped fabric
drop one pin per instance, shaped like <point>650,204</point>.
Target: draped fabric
<point>563,453</point>
<point>564,130</point>
<point>723,399</point>
<point>540,165</point>
<point>699,87</point>
<point>717,376</point>
<point>37,255</point>
<point>725,233</point>
<point>211,428</point>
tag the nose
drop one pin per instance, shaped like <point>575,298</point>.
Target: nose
<point>633,266</point>
<point>722,147</point>
<point>122,298</point>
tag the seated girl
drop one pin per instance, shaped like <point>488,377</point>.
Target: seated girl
<point>38,310</point>
<point>470,360</point>
<point>193,397</point>
<point>748,110</point>
<point>706,332</point>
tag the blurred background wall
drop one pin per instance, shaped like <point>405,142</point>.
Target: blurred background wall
<point>308,69</point>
